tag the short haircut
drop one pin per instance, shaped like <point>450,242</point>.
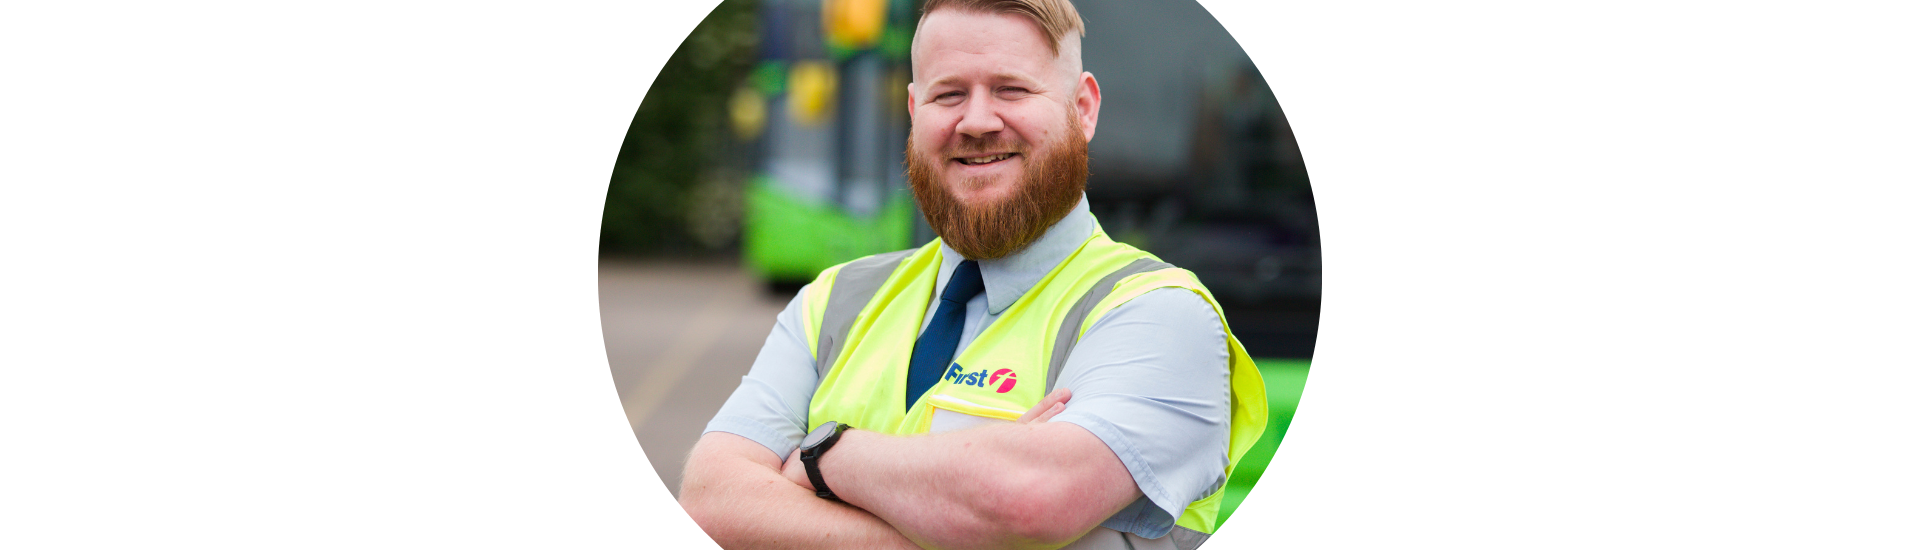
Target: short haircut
<point>1056,17</point>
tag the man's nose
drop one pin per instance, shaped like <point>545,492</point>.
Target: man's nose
<point>980,118</point>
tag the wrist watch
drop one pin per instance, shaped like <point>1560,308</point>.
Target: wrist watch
<point>815,446</point>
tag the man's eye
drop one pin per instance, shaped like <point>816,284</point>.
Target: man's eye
<point>1011,91</point>
<point>948,97</point>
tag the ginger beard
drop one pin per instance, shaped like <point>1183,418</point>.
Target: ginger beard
<point>1048,187</point>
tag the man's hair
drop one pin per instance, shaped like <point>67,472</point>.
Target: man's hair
<point>1056,17</point>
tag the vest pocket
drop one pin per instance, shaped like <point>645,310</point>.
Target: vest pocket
<point>952,413</point>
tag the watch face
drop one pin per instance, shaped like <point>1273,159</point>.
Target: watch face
<point>818,434</point>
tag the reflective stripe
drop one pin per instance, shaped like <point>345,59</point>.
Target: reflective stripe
<point>852,289</point>
<point>815,304</point>
<point>1070,326</point>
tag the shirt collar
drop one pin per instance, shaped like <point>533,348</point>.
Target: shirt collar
<point>1008,277</point>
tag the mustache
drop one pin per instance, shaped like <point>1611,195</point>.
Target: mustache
<point>991,143</point>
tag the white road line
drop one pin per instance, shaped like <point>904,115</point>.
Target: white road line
<point>705,328</point>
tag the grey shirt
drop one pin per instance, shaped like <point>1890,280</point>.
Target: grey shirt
<point>1149,378</point>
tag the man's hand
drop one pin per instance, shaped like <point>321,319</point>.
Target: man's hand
<point>1053,404</point>
<point>796,472</point>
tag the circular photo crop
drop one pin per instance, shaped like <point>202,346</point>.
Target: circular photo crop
<point>972,231</point>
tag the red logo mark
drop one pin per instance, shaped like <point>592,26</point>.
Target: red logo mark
<point>1006,386</point>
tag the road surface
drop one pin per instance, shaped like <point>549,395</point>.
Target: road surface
<point>679,337</point>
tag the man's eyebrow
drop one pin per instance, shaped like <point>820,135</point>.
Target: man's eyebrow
<point>995,77</point>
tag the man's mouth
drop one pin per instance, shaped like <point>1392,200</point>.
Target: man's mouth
<point>989,159</point>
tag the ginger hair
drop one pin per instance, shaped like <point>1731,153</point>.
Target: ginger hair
<point>1056,17</point>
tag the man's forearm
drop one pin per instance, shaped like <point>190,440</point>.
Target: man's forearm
<point>1022,485</point>
<point>735,492</point>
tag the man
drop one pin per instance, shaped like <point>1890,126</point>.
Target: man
<point>1021,382</point>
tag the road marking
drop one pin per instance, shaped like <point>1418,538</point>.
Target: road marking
<point>672,364</point>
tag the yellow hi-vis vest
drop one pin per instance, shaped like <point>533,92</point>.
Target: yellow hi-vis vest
<point>864,316</point>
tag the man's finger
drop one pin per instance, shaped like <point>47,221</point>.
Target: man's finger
<point>1057,408</point>
<point>1059,396</point>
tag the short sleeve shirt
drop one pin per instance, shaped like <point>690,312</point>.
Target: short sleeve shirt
<point>1150,379</point>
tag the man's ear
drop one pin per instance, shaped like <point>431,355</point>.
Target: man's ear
<point>910,102</point>
<point>1087,99</point>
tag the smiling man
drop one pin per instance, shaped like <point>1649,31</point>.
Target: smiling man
<point>1021,382</point>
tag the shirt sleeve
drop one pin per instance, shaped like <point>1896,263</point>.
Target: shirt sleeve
<point>770,406</point>
<point>1151,380</point>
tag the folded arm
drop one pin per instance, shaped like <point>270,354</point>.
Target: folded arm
<point>734,490</point>
<point>1032,484</point>
<point>1029,484</point>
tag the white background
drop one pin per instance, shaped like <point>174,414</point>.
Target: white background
<point>1623,274</point>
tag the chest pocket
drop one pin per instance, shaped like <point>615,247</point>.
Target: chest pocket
<point>964,398</point>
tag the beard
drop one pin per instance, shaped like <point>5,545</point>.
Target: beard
<point>1046,190</point>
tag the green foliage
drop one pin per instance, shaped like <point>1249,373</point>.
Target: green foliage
<point>678,135</point>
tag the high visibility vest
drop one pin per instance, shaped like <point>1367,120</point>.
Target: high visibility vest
<point>864,316</point>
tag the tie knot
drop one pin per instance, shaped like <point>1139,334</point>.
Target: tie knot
<point>964,284</point>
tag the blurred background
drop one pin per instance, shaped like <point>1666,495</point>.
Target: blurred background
<point>771,147</point>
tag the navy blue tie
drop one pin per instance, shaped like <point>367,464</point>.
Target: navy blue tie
<point>934,350</point>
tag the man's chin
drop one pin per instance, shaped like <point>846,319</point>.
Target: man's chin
<point>968,179</point>
<point>978,194</point>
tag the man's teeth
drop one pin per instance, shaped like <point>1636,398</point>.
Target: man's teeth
<point>984,160</point>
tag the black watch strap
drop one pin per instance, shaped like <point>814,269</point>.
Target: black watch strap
<point>819,485</point>
<point>815,447</point>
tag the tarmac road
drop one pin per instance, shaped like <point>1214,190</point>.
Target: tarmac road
<point>679,337</point>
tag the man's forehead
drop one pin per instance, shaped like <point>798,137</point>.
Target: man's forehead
<point>961,35</point>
